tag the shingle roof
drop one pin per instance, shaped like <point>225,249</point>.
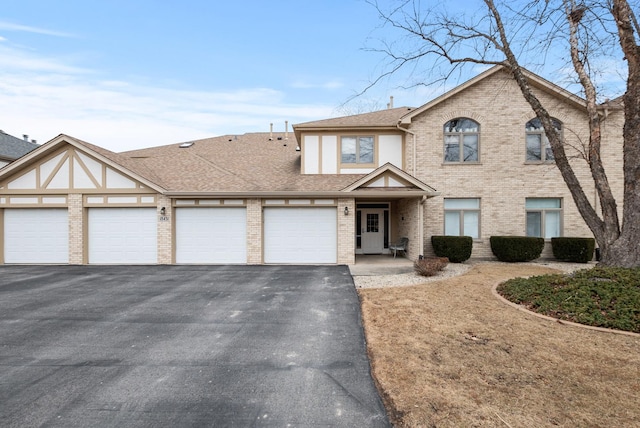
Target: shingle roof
<point>233,163</point>
<point>381,118</point>
<point>12,148</point>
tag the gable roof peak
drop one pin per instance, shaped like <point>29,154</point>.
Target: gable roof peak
<point>533,79</point>
<point>387,118</point>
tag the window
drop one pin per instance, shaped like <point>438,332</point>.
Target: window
<point>357,149</point>
<point>462,217</point>
<point>544,217</point>
<point>538,147</point>
<point>461,139</point>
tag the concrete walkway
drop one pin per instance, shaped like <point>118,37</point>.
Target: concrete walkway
<point>380,264</point>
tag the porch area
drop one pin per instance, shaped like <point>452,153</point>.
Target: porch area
<point>380,264</point>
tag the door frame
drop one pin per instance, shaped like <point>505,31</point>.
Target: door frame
<point>360,219</point>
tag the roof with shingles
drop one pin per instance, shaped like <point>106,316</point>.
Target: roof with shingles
<point>120,159</point>
<point>383,118</point>
<point>233,163</point>
<point>12,147</point>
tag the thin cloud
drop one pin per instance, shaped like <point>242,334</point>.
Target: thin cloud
<point>331,84</point>
<point>10,26</point>
<point>44,97</point>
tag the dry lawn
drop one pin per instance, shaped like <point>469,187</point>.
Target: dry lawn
<point>450,354</point>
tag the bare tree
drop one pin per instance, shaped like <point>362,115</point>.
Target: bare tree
<point>511,33</point>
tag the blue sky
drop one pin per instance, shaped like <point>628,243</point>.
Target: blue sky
<point>125,74</point>
<point>135,73</point>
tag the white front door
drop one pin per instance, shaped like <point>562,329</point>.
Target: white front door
<point>372,233</point>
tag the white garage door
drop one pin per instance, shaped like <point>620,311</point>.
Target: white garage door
<point>300,235</point>
<point>123,235</point>
<point>36,236</point>
<point>211,235</point>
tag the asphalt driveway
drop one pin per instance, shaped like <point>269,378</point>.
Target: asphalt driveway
<point>116,346</point>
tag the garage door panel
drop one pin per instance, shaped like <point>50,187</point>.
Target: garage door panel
<point>211,235</point>
<point>122,235</point>
<point>300,235</point>
<point>36,236</point>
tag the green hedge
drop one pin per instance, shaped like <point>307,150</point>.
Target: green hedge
<point>516,248</point>
<point>456,248</point>
<point>577,250</point>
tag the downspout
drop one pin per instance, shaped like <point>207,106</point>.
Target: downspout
<point>421,229</point>
<point>413,154</point>
<point>424,198</point>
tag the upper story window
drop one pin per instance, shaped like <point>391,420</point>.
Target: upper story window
<point>357,149</point>
<point>544,217</point>
<point>538,147</point>
<point>461,140</point>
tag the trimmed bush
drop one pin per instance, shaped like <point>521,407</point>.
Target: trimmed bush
<point>456,248</point>
<point>516,248</point>
<point>430,266</point>
<point>576,250</point>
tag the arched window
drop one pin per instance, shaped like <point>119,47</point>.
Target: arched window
<point>538,147</point>
<point>461,140</point>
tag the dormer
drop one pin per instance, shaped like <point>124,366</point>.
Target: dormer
<point>355,144</point>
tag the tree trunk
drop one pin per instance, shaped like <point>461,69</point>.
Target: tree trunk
<point>625,251</point>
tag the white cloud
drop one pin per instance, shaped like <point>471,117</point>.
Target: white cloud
<point>44,97</point>
<point>21,61</point>
<point>304,84</point>
<point>9,26</point>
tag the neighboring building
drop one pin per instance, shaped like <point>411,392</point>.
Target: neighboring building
<point>471,162</point>
<point>11,148</point>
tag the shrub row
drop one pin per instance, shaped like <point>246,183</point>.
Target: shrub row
<point>516,248</point>
<point>576,250</point>
<point>457,249</point>
<point>527,248</point>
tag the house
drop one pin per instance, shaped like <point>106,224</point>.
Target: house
<point>473,161</point>
<point>11,148</point>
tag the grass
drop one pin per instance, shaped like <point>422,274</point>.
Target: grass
<point>448,353</point>
<point>600,297</point>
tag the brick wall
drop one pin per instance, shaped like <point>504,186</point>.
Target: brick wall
<point>165,231</point>
<point>502,179</point>
<point>254,231</point>
<point>76,229</point>
<point>346,232</point>
<point>408,220</point>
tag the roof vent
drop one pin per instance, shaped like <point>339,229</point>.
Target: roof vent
<point>186,145</point>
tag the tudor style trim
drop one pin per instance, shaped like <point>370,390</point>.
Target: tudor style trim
<point>400,174</point>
